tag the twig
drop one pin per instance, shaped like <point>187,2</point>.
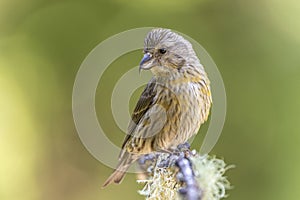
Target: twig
<point>183,174</point>
<point>191,190</point>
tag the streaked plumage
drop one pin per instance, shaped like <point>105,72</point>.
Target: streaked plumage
<point>174,104</point>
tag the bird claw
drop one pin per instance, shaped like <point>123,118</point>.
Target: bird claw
<point>172,156</point>
<point>184,146</point>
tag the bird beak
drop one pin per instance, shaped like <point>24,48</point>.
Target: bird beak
<point>146,58</point>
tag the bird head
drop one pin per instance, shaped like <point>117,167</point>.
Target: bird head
<point>166,52</point>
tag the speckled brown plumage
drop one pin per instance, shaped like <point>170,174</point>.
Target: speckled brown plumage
<point>174,104</point>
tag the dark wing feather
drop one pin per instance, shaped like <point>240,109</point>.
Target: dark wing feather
<point>145,102</point>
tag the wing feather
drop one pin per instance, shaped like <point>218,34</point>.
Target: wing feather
<point>145,102</point>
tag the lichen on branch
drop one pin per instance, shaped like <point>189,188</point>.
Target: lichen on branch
<point>183,174</point>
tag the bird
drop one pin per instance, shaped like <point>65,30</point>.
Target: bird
<point>174,103</point>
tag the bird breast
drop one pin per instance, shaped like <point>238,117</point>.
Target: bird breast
<point>190,105</point>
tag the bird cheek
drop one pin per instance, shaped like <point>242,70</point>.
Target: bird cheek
<point>176,62</point>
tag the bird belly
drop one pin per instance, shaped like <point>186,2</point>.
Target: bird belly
<point>190,117</point>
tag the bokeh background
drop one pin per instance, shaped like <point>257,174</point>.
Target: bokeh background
<point>42,44</point>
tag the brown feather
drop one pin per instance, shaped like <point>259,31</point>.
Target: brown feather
<point>119,173</point>
<point>173,105</point>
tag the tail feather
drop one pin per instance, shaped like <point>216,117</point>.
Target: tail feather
<point>116,177</point>
<point>119,173</point>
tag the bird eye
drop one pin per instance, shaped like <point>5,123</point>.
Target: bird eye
<point>162,51</point>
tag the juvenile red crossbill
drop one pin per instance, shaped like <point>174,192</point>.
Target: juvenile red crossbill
<point>174,104</point>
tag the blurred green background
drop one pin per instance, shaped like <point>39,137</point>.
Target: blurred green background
<point>42,44</point>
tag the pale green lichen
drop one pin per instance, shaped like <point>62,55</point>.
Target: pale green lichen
<point>209,173</point>
<point>162,183</point>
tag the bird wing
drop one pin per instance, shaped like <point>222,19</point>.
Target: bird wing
<point>145,102</point>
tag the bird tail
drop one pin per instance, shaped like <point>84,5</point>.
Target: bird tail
<point>117,176</point>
